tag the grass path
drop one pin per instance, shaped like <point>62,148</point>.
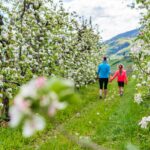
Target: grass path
<point>111,123</point>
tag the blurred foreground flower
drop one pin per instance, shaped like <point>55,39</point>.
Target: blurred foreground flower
<point>36,99</point>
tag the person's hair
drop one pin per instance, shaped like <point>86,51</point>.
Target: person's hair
<point>120,68</point>
<point>105,58</point>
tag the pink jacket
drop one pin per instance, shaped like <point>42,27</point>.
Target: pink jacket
<point>120,77</point>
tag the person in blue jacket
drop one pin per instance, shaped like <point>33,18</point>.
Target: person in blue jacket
<point>103,75</point>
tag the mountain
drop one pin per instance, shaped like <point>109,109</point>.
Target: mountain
<point>119,46</point>
<point>128,34</point>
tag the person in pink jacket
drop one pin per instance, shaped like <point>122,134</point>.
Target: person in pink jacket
<point>121,78</point>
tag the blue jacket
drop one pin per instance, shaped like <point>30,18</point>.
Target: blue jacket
<point>104,70</point>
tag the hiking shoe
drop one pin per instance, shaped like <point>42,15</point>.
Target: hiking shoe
<point>121,94</point>
<point>100,97</point>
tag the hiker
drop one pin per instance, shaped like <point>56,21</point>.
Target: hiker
<point>121,78</point>
<point>103,75</point>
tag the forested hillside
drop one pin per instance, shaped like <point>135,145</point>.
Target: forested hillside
<point>119,47</point>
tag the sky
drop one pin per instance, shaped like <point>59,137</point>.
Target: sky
<point>112,16</point>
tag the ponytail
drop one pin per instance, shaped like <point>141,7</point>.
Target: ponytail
<point>120,68</point>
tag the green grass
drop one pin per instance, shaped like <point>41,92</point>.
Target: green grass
<point>111,123</point>
<point>127,62</point>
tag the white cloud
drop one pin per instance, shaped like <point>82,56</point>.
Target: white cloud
<point>112,16</point>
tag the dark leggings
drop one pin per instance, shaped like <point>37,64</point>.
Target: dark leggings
<point>120,84</point>
<point>103,82</point>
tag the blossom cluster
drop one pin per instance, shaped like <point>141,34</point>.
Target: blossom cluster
<point>138,98</point>
<point>39,94</point>
<point>141,56</point>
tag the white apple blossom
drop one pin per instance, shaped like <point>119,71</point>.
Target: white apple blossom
<point>5,35</point>
<point>134,76</point>
<point>1,77</point>
<point>15,116</point>
<point>144,82</point>
<point>1,105</point>
<point>144,122</point>
<point>138,98</point>
<point>138,85</point>
<point>55,104</point>
<point>9,90</point>
<point>22,104</point>
<point>28,90</point>
<point>136,49</point>
<point>1,83</point>
<point>148,67</point>
<point>35,123</point>
<point>1,95</point>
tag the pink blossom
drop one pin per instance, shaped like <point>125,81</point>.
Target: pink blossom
<point>40,82</point>
<point>23,105</point>
<point>56,105</point>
